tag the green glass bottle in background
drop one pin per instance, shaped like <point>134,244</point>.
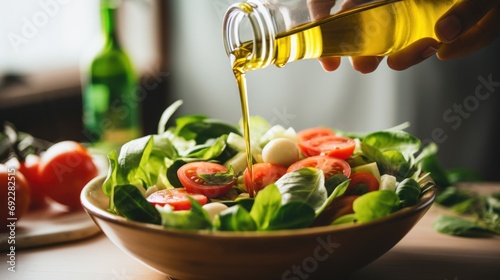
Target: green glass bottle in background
<point>111,110</point>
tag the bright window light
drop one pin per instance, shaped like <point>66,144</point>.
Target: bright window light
<point>44,35</point>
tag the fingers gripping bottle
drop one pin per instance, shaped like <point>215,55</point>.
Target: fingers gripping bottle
<point>262,32</point>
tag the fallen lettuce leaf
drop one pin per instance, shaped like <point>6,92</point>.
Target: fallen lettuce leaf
<point>459,227</point>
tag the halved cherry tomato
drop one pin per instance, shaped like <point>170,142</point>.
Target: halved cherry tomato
<point>189,177</point>
<point>329,165</point>
<point>310,133</point>
<point>263,175</point>
<point>361,183</point>
<point>330,145</point>
<point>177,198</point>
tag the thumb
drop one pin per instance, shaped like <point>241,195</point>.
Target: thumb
<point>462,16</point>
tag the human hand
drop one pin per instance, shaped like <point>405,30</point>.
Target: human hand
<point>320,9</point>
<point>467,27</point>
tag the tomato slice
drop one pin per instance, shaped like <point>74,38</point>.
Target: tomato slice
<point>361,183</point>
<point>315,132</point>
<point>189,177</point>
<point>330,145</point>
<point>329,165</point>
<point>177,198</point>
<point>263,175</point>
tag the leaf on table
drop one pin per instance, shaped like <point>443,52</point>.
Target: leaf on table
<point>459,227</point>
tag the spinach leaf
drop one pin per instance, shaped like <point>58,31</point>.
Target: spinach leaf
<point>459,175</point>
<point>130,203</point>
<point>465,207</point>
<point>398,166</point>
<point>133,157</point>
<point>165,116</point>
<point>390,162</point>
<point>396,140</point>
<point>156,166</point>
<point>305,185</point>
<point>453,195</point>
<point>484,209</point>
<point>292,216</point>
<point>246,202</point>
<point>201,128</point>
<point>408,192</point>
<point>333,182</point>
<point>114,177</point>
<point>345,219</point>
<point>235,218</point>
<point>210,150</point>
<point>427,160</point>
<point>195,218</point>
<point>172,173</point>
<point>129,167</point>
<point>458,226</point>
<point>375,205</point>
<point>339,190</point>
<point>266,204</point>
<point>183,121</point>
<point>490,212</point>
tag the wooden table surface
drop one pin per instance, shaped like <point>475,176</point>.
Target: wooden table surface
<point>423,254</point>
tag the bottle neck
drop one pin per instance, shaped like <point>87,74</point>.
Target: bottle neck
<point>109,11</point>
<point>250,25</point>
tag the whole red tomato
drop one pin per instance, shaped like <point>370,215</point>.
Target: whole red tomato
<point>29,168</point>
<point>14,195</point>
<point>65,168</point>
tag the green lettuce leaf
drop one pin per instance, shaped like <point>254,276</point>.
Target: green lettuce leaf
<point>375,205</point>
<point>130,203</point>
<point>193,219</point>
<point>305,185</point>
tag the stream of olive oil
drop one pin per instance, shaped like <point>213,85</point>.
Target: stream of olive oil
<point>371,30</point>
<point>239,59</point>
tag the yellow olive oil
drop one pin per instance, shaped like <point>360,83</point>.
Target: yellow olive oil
<point>375,29</point>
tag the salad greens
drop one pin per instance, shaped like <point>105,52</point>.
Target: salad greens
<point>477,215</point>
<point>471,214</point>
<point>295,200</point>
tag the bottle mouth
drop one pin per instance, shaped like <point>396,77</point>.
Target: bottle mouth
<point>250,22</point>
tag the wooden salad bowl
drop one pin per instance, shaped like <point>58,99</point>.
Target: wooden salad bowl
<point>327,252</point>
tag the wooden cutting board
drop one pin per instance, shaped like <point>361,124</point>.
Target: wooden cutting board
<point>54,224</point>
<point>51,225</point>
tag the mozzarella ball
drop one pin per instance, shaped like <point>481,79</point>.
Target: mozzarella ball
<point>214,209</point>
<point>282,151</point>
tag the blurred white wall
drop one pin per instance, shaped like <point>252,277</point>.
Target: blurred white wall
<point>300,95</point>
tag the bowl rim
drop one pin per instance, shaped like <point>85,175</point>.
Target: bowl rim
<point>95,185</point>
